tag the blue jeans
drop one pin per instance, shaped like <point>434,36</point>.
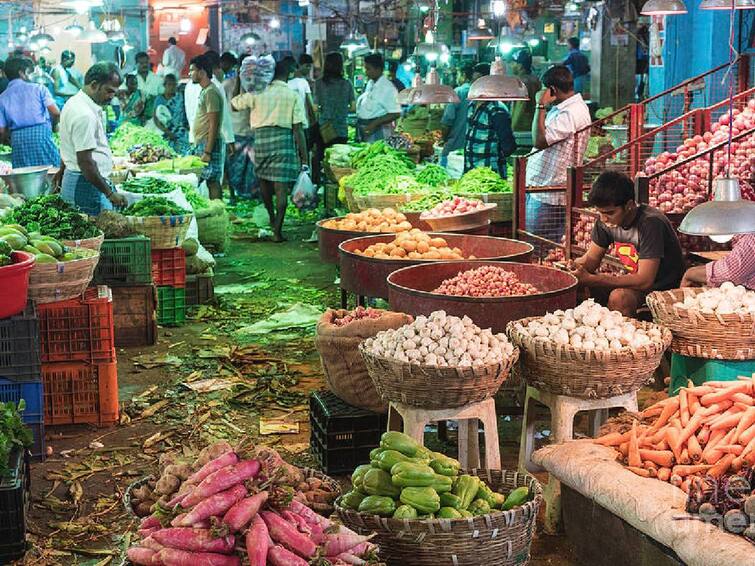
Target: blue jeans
<point>545,220</point>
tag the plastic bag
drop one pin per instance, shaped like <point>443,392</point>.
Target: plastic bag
<point>305,192</point>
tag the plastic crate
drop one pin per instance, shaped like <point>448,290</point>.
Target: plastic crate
<point>171,306</point>
<point>342,436</point>
<point>126,261</point>
<point>14,504</point>
<point>134,317</point>
<point>79,329</point>
<point>200,289</point>
<point>30,392</point>
<point>38,452</point>
<point>169,267</point>
<point>80,393</point>
<point>19,346</point>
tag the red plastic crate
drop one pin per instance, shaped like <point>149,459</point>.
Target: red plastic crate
<point>79,329</point>
<point>169,268</point>
<point>80,393</point>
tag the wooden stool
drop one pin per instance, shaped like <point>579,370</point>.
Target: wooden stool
<point>415,420</point>
<point>563,410</point>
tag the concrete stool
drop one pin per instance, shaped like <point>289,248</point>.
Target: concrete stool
<point>415,420</point>
<point>563,410</point>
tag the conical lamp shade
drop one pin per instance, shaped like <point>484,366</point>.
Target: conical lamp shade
<point>432,92</point>
<point>725,215</point>
<point>498,86</point>
<point>92,35</point>
<point>663,8</point>
<point>405,96</point>
<point>726,5</point>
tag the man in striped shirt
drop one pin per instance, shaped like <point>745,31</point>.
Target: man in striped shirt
<point>738,266</point>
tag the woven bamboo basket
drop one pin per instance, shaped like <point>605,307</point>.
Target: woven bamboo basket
<point>213,230</point>
<point>432,387</point>
<point>60,281</point>
<point>381,201</point>
<point>504,212</point>
<point>340,172</point>
<point>586,374</point>
<point>165,232</point>
<point>88,243</point>
<point>700,335</point>
<point>351,202</point>
<point>502,538</point>
<point>119,176</point>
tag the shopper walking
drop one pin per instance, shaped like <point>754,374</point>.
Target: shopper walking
<point>170,116</point>
<point>334,97</point>
<point>578,64</point>
<point>523,111</point>
<point>277,115</point>
<point>68,80</point>
<point>377,106</point>
<point>490,139</point>
<point>240,167</point>
<point>84,146</point>
<point>174,59</point>
<point>27,114</point>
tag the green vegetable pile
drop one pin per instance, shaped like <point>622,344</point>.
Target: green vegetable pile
<point>373,151</point>
<point>46,249</point>
<point>339,155</point>
<point>177,164</point>
<point>407,481</point>
<point>148,186</point>
<point>128,135</point>
<point>155,206</point>
<point>373,176</point>
<point>428,202</point>
<point>50,215</point>
<point>433,175</point>
<point>403,184</point>
<point>5,148</point>
<point>13,432</point>
<point>482,180</point>
<point>197,201</point>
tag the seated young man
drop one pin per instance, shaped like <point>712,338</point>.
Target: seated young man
<point>644,239</point>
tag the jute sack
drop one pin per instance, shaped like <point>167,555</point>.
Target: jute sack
<point>344,367</point>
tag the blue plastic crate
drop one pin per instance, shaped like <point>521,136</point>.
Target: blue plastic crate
<point>29,391</point>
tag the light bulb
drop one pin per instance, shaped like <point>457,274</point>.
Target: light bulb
<point>445,57</point>
<point>275,23</point>
<point>184,26</point>
<point>431,56</point>
<point>533,42</point>
<point>506,47</point>
<point>498,7</point>
<point>722,239</point>
<point>424,9</point>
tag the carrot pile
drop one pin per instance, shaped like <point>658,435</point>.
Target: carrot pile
<point>708,430</point>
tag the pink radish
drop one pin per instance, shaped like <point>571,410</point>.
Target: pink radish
<point>152,544</point>
<point>310,516</point>
<point>150,522</point>
<point>284,533</point>
<point>141,556</point>
<point>351,559</point>
<point>257,542</point>
<point>227,459</point>
<point>241,514</point>
<point>279,556</point>
<point>213,505</point>
<point>222,479</point>
<point>297,520</point>
<point>195,540</point>
<point>144,533</point>
<point>175,557</point>
<point>342,542</point>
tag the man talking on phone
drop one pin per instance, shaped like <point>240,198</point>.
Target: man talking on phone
<point>559,134</point>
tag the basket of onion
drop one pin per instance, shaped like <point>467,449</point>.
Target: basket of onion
<point>457,214</point>
<point>588,352</point>
<point>438,362</point>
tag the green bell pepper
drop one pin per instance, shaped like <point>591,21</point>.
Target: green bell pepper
<point>389,458</point>
<point>442,484</point>
<point>466,488</point>
<point>358,475</point>
<point>423,499</point>
<point>378,482</point>
<point>409,474</point>
<point>450,500</point>
<point>352,499</point>
<point>378,505</point>
<point>399,441</point>
<point>444,465</point>
<point>405,512</point>
<point>448,513</point>
<point>479,507</point>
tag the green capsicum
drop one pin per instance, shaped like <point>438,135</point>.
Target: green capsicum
<point>442,484</point>
<point>466,488</point>
<point>405,512</point>
<point>378,505</point>
<point>448,513</point>
<point>408,474</point>
<point>389,458</point>
<point>423,499</point>
<point>358,475</point>
<point>352,499</point>
<point>479,507</point>
<point>450,500</point>
<point>378,482</point>
<point>393,440</point>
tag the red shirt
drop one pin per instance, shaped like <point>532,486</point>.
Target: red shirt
<point>737,267</point>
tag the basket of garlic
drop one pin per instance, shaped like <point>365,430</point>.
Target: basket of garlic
<point>713,323</point>
<point>588,352</point>
<point>438,362</point>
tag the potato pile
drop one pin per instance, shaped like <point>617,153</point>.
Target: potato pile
<point>413,244</point>
<point>371,220</point>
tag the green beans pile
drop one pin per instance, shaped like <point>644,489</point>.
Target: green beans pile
<point>482,180</point>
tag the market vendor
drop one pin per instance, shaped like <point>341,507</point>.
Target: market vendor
<point>738,266</point>
<point>84,145</point>
<point>27,112</point>
<point>644,239</point>
<point>377,106</point>
<point>454,120</point>
<point>490,139</point>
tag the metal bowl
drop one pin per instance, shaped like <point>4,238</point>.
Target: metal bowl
<point>29,182</point>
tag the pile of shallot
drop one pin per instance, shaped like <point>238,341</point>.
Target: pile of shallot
<point>441,340</point>
<point>457,205</point>
<point>726,299</point>
<point>589,326</point>
<point>485,281</point>
<point>358,314</point>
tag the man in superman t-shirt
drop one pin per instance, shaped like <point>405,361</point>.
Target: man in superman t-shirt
<point>644,238</point>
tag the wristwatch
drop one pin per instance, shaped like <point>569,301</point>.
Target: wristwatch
<point>540,106</point>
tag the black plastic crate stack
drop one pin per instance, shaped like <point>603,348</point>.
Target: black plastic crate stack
<point>342,436</point>
<point>14,504</point>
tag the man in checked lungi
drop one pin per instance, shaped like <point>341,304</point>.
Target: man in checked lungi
<point>27,113</point>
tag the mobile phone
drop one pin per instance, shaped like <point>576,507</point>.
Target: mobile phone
<point>552,90</point>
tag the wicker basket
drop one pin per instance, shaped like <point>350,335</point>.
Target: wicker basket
<point>432,387</point>
<point>712,336</point>
<point>213,229</point>
<point>340,172</point>
<point>586,374</point>
<point>89,243</point>
<point>465,221</point>
<point>502,538</point>
<point>119,176</point>
<point>382,201</point>
<point>60,281</point>
<point>165,232</point>
<point>351,203</point>
<point>504,212</point>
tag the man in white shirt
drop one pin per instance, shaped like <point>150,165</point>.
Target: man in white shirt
<point>84,147</point>
<point>148,83</point>
<point>191,100</point>
<point>174,59</point>
<point>67,80</point>
<point>560,137</point>
<point>377,106</point>
<point>300,84</point>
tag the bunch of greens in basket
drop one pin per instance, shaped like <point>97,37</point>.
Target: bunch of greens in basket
<point>51,216</point>
<point>155,206</point>
<point>13,432</point>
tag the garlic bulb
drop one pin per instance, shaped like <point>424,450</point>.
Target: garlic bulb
<point>726,299</point>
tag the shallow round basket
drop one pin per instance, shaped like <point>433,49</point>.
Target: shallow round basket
<point>587,374</point>
<point>88,243</point>
<point>128,494</point>
<point>433,387</point>
<point>701,335</point>
<point>382,201</point>
<point>165,232</point>
<point>502,538</point>
<point>324,509</point>
<point>503,212</point>
<point>62,280</point>
<point>464,221</point>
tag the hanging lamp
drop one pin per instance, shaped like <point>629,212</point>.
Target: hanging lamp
<point>406,96</point>
<point>41,38</point>
<point>480,32</point>
<point>433,92</point>
<point>498,86</point>
<point>92,35</point>
<point>663,8</point>
<point>74,29</point>
<point>249,38</point>
<point>726,5</point>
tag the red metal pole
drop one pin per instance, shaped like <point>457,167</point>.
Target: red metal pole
<point>520,196</point>
<point>636,123</point>
<point>572,176</point>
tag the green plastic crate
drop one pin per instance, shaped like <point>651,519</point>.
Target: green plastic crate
<point>171,306</point>
<point>126,261</point>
